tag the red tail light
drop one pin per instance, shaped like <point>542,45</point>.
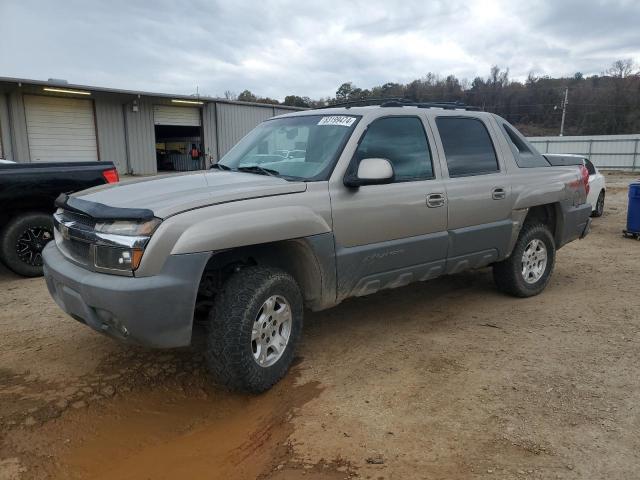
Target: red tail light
<point>585,177</point>
<point>111,175</point>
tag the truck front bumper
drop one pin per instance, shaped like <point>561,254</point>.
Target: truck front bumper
<point>154,311</point>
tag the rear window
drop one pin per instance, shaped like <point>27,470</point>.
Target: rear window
<point>467,146</point>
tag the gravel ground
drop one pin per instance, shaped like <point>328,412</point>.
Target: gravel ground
<point>447,379</point>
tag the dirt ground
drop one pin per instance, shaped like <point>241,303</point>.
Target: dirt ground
<point>441,380</point>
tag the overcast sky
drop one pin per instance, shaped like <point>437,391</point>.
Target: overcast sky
<point>281,47</point>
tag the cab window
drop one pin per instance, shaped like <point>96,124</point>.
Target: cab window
<point>402,141</point>
<point>468,148</point>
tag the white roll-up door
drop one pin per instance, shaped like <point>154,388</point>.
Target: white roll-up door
<point>60,129</point>
<point>170,115</point>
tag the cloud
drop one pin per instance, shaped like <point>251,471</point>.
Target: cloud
<point>280,47</point>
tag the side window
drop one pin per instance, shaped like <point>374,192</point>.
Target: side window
<point>403,142</point>
<point>467,146</point>
<point>516,140</point>
<point>590,167</point>
<point>525,155</point>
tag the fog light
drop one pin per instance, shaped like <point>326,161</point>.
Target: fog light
<point>109,322</point>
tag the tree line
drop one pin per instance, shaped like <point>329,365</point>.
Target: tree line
<point>604,104</point>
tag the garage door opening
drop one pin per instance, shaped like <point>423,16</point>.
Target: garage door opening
<point>179,143</point>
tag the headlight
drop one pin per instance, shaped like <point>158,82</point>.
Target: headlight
<point>127,227</point>
<point>118,258</point>
<point>122,243</point>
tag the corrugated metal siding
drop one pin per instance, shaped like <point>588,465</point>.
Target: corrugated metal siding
<point>605,151</point>
<point>5,132</point>
<point>132,145</point>
<point>209,132</point>
<point>111,138</point>
<point>235,121</point>
<point>141,138</point>
<point>19,140</point>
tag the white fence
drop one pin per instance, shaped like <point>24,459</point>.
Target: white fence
<point>616,152</point>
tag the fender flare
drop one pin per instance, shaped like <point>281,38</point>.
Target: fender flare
<point>250,228</point>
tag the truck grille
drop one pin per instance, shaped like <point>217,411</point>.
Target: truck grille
<point>78,218</point>
<point>77,250</point>
<point>73,249</point>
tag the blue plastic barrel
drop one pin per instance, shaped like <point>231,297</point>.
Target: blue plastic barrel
<point>633,210</point>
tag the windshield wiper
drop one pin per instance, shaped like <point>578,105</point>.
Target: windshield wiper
<point>256,169</point>
<point>220,166</point>
<point>259,170</point>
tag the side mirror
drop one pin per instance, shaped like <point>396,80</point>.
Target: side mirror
<point>371,171</point>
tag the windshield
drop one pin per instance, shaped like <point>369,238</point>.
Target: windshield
<point>300,148</point>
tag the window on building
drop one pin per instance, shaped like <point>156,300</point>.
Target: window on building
<point>467,146</point>
<point>402,141</point>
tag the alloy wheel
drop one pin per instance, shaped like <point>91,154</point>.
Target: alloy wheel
<point>31,243</point>
<point>271,331</point>
<point>534,261</point>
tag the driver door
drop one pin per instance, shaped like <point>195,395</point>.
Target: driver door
<point>390,235</point>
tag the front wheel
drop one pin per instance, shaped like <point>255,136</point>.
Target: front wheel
<point>528,270</point>
<point>254,327</point>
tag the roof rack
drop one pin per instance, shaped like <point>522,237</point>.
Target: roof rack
<point>402,102</point>
<point>362,102</point>
<point>444,105</point>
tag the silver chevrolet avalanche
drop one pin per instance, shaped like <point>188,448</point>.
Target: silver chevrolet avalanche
<point>311,208</point>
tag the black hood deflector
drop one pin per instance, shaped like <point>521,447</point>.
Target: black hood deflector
<point>100,211</point>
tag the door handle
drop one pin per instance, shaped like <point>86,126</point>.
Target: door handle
<point>498,193</point>
<point>435,200</point>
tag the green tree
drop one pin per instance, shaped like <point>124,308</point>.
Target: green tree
<point>296,101</point>
<point>247,96</point>
<point>343,92</point>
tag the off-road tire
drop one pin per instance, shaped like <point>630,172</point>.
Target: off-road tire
<point>599,210</point>
<point>13,230</point>
<point>507,274</point>
<point>228,352</point>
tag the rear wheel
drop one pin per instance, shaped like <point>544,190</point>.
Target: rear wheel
<point>22,242</point>
<point>528,270</point>
<point>599,210</point>
<point>254,327</point>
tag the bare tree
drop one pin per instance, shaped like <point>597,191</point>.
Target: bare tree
<point>621,68</point>
<point>229,95</point>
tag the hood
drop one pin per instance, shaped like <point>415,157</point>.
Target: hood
<point>171,194</point>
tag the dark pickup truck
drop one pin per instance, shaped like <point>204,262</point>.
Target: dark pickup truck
<point>27,195</point>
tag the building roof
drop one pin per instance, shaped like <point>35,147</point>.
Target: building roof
<point>54,83</point>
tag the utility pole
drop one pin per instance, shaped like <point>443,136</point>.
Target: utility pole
<point>564,109</point>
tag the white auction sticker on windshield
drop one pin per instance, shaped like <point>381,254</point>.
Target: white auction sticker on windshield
<point>340,120</point>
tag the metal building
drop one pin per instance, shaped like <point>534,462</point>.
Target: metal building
<point>140,132</point>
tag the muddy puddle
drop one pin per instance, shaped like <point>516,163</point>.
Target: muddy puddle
<point>162,434</point>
